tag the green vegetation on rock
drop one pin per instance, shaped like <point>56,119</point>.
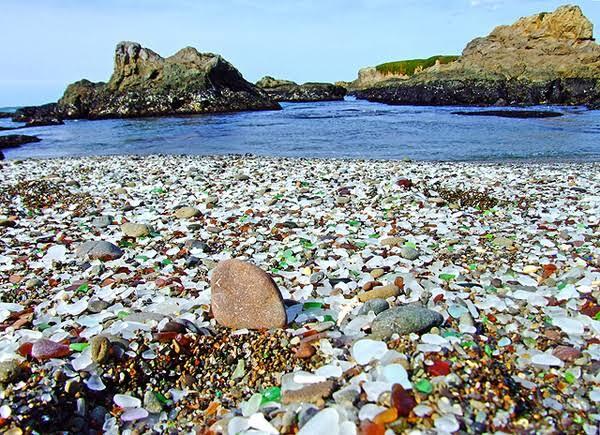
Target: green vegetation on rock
<point>408,67</point>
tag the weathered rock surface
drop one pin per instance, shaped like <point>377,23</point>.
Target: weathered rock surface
<point>285,90</point>
<point>548,58</point>
<point>131,229</point>
<point>145,84</point>
<point>244,296</point>
<point>404,320</point>
<point>98,250</point>
<point>16,140</point>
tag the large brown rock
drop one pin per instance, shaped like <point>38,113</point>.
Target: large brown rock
<point>547,58</point>
<point>244,296</point>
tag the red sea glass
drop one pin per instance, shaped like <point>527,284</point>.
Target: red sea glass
<point>402,400</point>
<point>46,349</point>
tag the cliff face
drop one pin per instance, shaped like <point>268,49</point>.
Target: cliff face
<point>145,84</point>
<point>546,58</point>
<point>286,90</point>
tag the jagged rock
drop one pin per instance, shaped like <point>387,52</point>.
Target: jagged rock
<point>32,113</point>
<point>285,90</point>
<point>15,140</point>
<point>5,114</point>
<point>548,58</point>
<point>145,84</point>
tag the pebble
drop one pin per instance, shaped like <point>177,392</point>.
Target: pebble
<point>382,292</point>
<point>151,402</point>
<point>187,212</point>
<point>195,244</point>
<point>375,305</point>
<point>404,320</point>
<point>392,241</point>
<point>244,296</point>
<point>305,350</point>
<point>103,221</point>
<point>100,348</point>
<point>376,273</point>
<point>33,283</point>
<point>409,253</point>
<point>99,250</point>
<point>97,306</point>
<point>135,230</point>
<point>311,393</point>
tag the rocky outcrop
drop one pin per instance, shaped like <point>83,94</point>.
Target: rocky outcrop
<point>548,58</point>
<point>5,115</point>
<point>16,140</point>
<point>145,84</point>
<point>285,90</point>
<point>400,70</point>
<point>520,114</point>
<point>369,77</point>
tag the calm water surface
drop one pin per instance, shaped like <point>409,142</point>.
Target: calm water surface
<point>352,128</point>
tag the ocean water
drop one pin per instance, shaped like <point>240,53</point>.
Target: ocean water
<point>347,129</point>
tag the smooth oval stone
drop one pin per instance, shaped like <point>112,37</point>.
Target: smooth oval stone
<point>102,221</point>
<point>375,305</point>
<point>409,253</point>
<point>100,348</point>
<point>244,296</point>
<point>46,349</point>
<point>131,229</point>
<point>404,320</point>
<point>186,212</point>
<point>99,250</point>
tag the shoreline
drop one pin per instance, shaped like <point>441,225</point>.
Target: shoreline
<point>506,262</point>
<point>525,161</point>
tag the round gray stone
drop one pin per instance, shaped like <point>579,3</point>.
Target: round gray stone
<point>404,320</point>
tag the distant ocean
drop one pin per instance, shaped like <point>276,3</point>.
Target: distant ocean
<point>348,129</point>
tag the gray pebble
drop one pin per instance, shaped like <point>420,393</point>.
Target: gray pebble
<point>375,305</point>
<point>404,320</point>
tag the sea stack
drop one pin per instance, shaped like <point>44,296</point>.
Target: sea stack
<point>145,84</point>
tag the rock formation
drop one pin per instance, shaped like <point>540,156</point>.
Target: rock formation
<point>548,58</point>
<point>16,140</point>
<point>285,90</point>
<point>401,70</point>
<point>146,84</point>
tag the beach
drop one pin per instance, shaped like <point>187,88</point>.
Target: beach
<point>495,265</point>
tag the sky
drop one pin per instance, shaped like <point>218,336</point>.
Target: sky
<point>47,44</point>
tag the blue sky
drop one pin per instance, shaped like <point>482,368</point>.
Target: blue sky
<point>47,44</point>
